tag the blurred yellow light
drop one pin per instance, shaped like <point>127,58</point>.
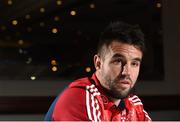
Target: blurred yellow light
<point>56,18</point>
<point>9,2</point>
<point>29,60</point>
<point>8,38</point>
<point>18,33</point>
<point>20,51</point>
<point>33,77</point>
<point>54,68</point>
<point>58,2</point>
<point>42,24</point>
<point>54,30</point>
<point>158,5</point>
<point>73,13</point>
<point>53,62</point>
<point>20,42</point>
<point>88,69</point>
<point>3,27</point>
<point>14,22</point>
<point>92,5</point>
<point>42,10</point>
<point>28,16</point>
<point>29,29</point>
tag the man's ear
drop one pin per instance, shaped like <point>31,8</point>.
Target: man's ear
<point>97,61</point>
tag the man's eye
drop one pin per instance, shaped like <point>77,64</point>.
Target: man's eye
<point>117,61</point>
<point>135,64</point>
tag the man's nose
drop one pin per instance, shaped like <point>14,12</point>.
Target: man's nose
<point>126,69</point>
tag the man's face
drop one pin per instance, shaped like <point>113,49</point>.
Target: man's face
<point>119,68</point>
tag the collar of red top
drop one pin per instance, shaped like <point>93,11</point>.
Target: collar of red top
<point>108,104</point>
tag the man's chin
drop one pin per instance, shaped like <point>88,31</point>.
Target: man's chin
<point>120,94</point>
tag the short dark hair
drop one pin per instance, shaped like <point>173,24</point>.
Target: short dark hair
<point>121,32</point>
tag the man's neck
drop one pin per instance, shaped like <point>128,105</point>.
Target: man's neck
<point>116,101</point>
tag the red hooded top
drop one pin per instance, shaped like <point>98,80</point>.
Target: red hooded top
<point>85,100</point>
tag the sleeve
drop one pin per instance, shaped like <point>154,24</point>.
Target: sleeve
<point>140,114</point>
<point>76,104</point>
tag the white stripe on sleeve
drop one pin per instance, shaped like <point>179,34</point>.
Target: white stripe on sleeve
<point>87,105</point>
<point>92,104</point>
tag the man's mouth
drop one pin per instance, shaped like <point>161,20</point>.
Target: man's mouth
<point>124,83</point>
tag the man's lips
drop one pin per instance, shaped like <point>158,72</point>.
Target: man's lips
<point>124,83</point>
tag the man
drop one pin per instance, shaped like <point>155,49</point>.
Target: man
<point>106,96</point>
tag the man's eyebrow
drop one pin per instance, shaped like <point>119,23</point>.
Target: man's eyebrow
<point>137,59</point>
<point>117,55</point>
<point>121,56</point>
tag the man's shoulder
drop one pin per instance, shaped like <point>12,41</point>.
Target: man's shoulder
<point>134,102</point>
<point>134,99</point>
<point>86,84</point>
<point>76,90</point>
<point>80,83</point>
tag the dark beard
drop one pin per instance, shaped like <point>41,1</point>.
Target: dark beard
<point>115,94</point>
<point>118,94</point>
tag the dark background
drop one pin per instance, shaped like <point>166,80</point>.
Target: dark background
<point>26,49</point>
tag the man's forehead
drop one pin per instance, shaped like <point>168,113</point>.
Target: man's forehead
<point>123,48</point>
